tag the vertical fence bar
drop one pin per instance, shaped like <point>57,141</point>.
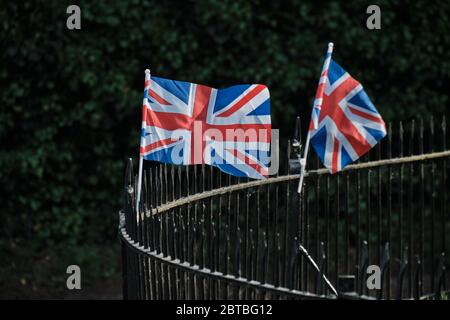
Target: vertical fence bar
<point>161,183</point>
<point>403,267</point>
<point>237,246</point>
<point>247,244</point>
<point>280,260</point>
<point>137,258</point>
<point>358,226</point>
<point>238,236</point>
<point>151,239</point>
<point>368,214</point>
<point>166,185</point>
<point>444,186</point>
<point>172,182</point>
<point>145,235</point>
<point>251,254</point>
<point>316,215</point>
<point>158,246</point>
<point>274,237</point>
<point>379,206</point>
<point>127,212</point>
<point>216,288</point>
<point>303,237</point>
<point>188,182</point>
<point>151,233</point>
<point>264,260</point>
<point>168,282</point>
<point>184,250</point>
<point>228,242</point>
<point>363,262</point>
<point>347,223</point>
<point>196,252</point>
<point>432,208</point>
<point>400,200</point>
<point>411,207</point>
<point>336,229</point>
<point>257,230</point>
<point>267,234</point>
<point>210,229</point>
<point>389,206</point>
<point>327,230</point>
<point>417,278</point>
<point>422,203</point>
<point>286,221</point>
<point>148,231</point>
<point>176,250</point>
<point>203,209</point>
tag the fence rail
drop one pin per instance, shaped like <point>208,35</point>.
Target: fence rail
<point>201,234</point>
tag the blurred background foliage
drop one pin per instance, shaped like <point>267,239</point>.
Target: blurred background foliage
<point>70,100</point>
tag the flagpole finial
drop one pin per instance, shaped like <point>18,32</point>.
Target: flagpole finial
<point>330,47</point>
<point>147,71</point>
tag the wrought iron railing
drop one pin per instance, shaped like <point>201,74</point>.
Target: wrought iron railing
<point>201,234</point>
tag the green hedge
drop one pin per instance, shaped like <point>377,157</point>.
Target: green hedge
<point>71,99</point>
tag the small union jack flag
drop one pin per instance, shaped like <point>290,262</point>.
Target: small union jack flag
<point>186,123</point>
<point>348,124</point>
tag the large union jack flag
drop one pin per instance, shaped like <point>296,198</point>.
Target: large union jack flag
<point>348,124</point>
<point>186,123</point>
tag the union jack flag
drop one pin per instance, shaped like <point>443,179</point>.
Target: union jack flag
<point>186,123</point>
<point>348,124</point>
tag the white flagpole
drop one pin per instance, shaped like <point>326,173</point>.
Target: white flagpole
<point>317,103</point>
<point>303,164</point>
<point>141,157</point>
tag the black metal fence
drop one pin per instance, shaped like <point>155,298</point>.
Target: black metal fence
<point>201,234</point>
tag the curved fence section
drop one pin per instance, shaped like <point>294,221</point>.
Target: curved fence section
<point>201,234</point>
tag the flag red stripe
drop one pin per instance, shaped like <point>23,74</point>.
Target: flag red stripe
<point>155,96</point>
<point>156,144</point>
<point>365,115</point>
<point>200,112</point>
<point>243,101</point>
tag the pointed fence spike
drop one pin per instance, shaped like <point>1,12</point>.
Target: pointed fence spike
<point>443,123</point>
<point>129,189</point>
<point>411,141</point>
<point>400,132</point>
<point>444,133</point>
<point>297,128</point>
<point>129,174</point>
<point>288,155</point>
<point>288,149</point>
<point>297,139</point>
